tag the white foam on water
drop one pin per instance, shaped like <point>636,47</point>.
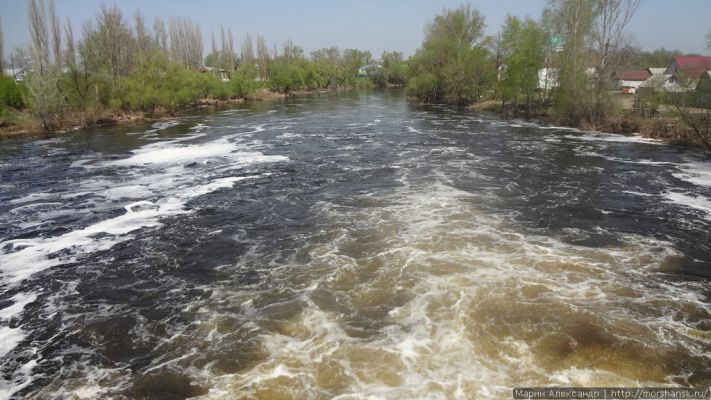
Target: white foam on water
<point>29,256</point>
<point>700,203</point>
<point>477,299</point>
<point>610,137</point>
<point>695,172</point>
<point>31,198</point>
<point>166,124</point>
<point>20,301</point>
<point>413,130</point>
<point>623,160</point>
<point>176,154</point>
<point>21,378</point>
<point>167,178</point>
<point>11,337</point>
<point>128,191</point>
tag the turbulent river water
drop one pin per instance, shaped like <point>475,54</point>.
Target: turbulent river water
<point>350,246</point>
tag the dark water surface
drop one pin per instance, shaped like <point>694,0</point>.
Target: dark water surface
<point>349,246</point>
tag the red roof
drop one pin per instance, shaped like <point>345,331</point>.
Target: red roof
<point>693,65</point>
<point>635,75</point>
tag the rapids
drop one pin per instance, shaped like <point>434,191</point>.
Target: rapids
<point>349,246</point>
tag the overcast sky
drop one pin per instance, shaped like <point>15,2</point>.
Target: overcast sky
<point>374,25</point>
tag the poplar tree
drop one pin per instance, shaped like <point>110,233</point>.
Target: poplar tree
<point>43,82</point>
<point>2,51</point>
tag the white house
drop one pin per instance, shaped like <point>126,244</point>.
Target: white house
<point>547,78</point>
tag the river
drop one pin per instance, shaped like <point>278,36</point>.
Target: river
<point>349,246</point>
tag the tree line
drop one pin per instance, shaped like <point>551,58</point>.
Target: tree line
<point>581,42</point>
<point>562,65</point>
<point>115,65</point>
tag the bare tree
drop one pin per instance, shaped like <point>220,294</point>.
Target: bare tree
<point>227,52</point>
<point>160,37</point>
<point>56,34</point>
<point>111,42</point>
<point>38,33</point>
<point>185,42</point>
<point>42,83</point>
<point>708,40</point>
<point>21,58</point>
<point>230,52</point>
<point>79,75</point>
<point>262,58</point>
<point>289,50</point>
<point>247,52</point>
<point>143,39</point>
<point>2,51</point>
<point>213,45</point>
<point>71,53</point>
<point>610,43</point>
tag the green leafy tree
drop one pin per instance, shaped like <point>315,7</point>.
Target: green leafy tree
<point>392,71</point>
<point>523,48</point>
<point>453,64</point>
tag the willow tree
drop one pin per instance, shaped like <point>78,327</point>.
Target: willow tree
<point>453,64</point>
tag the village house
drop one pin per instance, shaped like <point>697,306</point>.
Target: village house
<point>691,66</point>
<point>548,78</point>
<point>630,81</point>
<point>215,71</point>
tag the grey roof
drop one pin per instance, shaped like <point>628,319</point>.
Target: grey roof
<point>656,80</point>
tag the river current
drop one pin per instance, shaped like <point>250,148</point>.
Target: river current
<point>350,246</point>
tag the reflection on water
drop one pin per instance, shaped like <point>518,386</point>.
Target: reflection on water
<point>350,246</point>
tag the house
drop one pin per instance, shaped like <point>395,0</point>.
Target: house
<point>665,82</point>
<point>630,81</point>
<point>215,71</point>
<point>691,66</point>
<point>547,78</point>
<point>368,70</point>
<point>657,71</point>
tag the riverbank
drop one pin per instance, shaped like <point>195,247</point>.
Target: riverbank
<point>26,125</point>
<point>666,128</point>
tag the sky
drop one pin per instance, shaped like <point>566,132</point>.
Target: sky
<point>374,25</point>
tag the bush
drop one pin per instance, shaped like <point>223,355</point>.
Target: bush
<point>11,93</point>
